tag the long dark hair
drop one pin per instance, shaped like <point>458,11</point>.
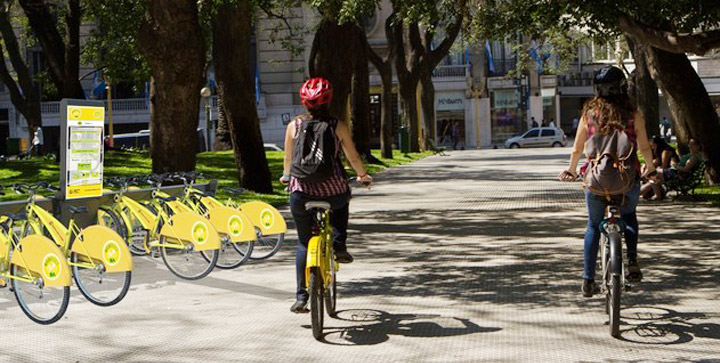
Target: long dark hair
<point>319,113</point>
<point>609,112</point>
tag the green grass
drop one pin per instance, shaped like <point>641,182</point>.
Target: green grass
<point>710,194</point>
<point>219,165</point>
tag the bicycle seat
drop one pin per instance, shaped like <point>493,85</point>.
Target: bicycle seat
<point>316,204</point>
<point>77,209</point>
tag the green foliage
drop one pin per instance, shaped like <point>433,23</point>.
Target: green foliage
<point>219,165</point>
<point>112,45</point>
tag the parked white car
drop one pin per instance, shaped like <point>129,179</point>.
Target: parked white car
<point>538,137</point>
<point>272,147</point>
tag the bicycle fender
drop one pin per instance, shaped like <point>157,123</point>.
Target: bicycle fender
<point>615,242</point>
<point>232,223</point>
<point>102,244</point>
<point>265,217</point>
<point>194,228</point>
<point>313,252</point>
<point>140,212</point>
<point>44,259</point>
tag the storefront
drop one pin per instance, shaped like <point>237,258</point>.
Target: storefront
<point>507,113</point>
<point>450,116</point>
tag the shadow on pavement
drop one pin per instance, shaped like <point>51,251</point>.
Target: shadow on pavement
<point>383,325</point>
<point>657,325</point>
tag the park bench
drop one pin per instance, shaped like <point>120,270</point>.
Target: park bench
<point>687,186</point>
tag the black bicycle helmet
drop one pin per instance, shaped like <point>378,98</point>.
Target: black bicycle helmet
<point>609,81</point>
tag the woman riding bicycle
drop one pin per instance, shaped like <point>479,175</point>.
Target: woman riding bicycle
<point>315,95</point>
<point>610,109</point>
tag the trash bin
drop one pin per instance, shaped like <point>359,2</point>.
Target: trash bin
<point>13,146</point>
<point>404,140</point>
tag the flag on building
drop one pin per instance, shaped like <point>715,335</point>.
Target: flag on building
<point>488,55</point>
<point>533,50</point>
<point>147,94</point>
<point>98,86</point>
<point>257,85</point>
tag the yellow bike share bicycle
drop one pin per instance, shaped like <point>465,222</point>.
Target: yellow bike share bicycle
<point>37,272</point>
<point>99,260</point>
<point>269,225</point>
<point>187,242</point>
<point>321,268</point>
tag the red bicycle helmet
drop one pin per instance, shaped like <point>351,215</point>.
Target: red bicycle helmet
<point>316,92</point>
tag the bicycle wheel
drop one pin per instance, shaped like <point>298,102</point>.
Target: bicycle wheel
<point>136,241</point>
<point>315,289</point>
<point>110,219</point>
<point>266,246</point>
<point>331,295</point>
<point>42,304</point>
<point>232,255</point>
<point>186,263</point>
<point>98,286</point>
<point>615,287</point>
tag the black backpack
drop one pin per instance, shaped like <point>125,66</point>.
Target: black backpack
<point>314,149</point>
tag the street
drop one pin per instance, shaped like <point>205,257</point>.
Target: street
<point>474,256</point>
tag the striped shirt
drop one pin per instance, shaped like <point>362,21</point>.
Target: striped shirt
<point>336,184</point>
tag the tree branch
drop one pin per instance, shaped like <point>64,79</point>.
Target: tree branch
<point>696,43</point>
<point>284,19</point>
<point>437,54</point>
<point>15,94</point>
<point>13,50</point>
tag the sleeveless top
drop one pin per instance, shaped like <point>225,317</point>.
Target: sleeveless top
<point>629,131</point>
<point>336,184</point>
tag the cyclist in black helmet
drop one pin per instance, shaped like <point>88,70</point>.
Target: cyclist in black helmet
<point>610,109</point>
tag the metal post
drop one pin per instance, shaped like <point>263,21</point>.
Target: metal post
<point>108,88</point>
<point>208,124</point>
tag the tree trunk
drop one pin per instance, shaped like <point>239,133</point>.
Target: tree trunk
<point>172,41</point>
<point>71,85</point>
<point>223,141</point>
<point>329,59</point>
<point>386,113</point>
<point>22,93</point>
<point>643,89</point>
<point>427,98</point>
<point>232,29</point>
<point>408,94</point>
<point>62,59</point>
<point>360,102</point>
<point>693,113</point>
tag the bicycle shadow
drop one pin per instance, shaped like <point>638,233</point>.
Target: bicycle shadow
<point>663,326</point>
<point>383,325</point>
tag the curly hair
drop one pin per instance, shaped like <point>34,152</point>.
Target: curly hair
<point>609,112</point>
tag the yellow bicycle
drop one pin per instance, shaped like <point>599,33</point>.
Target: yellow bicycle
<point>188,242</point>
<point>100,261</point>
<point>236,231</point>
<point>321,268</point>
<point>37,271</point>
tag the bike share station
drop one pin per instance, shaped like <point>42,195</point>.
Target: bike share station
<point>82,155</point>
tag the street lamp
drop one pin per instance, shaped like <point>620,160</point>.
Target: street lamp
<point>205,93</point>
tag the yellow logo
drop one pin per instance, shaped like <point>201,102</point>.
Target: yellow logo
<point>51,267</point>
<point>235,225</point>
<point>199,232</point>
<point>97,115</point>
<point>75,113</point>
<point>266,218</point>
<point>111,253</point>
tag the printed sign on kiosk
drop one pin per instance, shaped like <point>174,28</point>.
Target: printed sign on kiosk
<point>81,134</point>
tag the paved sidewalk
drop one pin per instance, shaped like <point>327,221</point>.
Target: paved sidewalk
<point>475,256</point>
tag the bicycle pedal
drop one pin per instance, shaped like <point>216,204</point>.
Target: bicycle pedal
<point>155,253</point>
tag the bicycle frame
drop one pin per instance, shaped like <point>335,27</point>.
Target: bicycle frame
<point>229,221</point>
<point>115,255</point>
<point>31,254</point>
<point>320,248</point>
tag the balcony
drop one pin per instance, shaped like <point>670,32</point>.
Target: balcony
<point>451,71</point>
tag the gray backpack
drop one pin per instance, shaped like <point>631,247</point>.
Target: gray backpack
<point>612,165</point>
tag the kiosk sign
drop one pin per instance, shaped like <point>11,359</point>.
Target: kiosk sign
<point>82,129</point>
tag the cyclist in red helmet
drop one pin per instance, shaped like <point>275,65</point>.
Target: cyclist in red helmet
<point>316,95</point>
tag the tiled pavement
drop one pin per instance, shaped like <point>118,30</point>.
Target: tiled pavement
<point>474,256</point>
